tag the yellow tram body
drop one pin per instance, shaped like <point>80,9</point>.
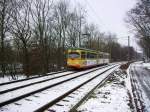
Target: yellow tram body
<point>84,58</point>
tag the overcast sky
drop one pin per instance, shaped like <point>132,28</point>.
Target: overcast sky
<point>109,15</point>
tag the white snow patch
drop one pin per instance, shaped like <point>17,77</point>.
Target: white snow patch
<point>146,102</point>
<point>144,97</point>
<point>8,78</point>
<point>128,81</point>
<point>37,100</point>
<point>112,97</point>
<point>146,65</point>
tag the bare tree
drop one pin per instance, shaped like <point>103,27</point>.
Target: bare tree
<point>61,19</point>
<point>21,29</point>
<point>36,33</point>
<point>72,30</point>
<point>41,16</point>
<point>139,19</point>
<point>5,9</point>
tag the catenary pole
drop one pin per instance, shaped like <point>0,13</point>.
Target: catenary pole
<point>128,48</point>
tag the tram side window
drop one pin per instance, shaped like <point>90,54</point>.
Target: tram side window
<point>83,55</point>
<point>100,55</point>
<point>91,55</point>
<point>73,55</point>
<point>106,56</point>
<point>88,55</point>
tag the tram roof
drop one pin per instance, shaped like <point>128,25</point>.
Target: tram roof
<point>74,48</point>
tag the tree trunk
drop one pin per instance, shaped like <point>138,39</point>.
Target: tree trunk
<point>26,61</point>
<point>3,65</point>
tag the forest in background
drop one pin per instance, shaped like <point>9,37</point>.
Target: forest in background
<point>138,18</point>
<point>34,35</point>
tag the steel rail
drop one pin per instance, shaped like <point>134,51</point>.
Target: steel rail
<point>51,103</point>
<point>37,82</point>
<point>44,88</point>
<point>5,83</point>
<point>100,84</point>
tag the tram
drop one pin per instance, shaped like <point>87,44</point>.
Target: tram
<point>85,58</point>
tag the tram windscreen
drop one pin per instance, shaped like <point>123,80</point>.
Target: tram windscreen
<point>73,55</point>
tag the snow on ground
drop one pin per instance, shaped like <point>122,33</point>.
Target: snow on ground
<point>9,78</point>
<point>146,102</point>
<point>49,94</point>
<point>112,97</point>
<point>146,65</point>
<point>144,97</point>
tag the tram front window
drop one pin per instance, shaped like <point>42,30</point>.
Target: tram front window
<point>73,55</point>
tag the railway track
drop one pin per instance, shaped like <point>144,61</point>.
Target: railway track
<point>46,93</point>
<point>24,83</point>
<point>34,77</point>
<point>70,101</point>
<point>7,87</point>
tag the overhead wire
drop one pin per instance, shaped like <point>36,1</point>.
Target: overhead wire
<point>95,14</point>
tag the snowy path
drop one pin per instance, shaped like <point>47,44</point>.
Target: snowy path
<point>141,78</point>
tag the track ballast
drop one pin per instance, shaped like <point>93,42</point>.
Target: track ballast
<point>45,95</point>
